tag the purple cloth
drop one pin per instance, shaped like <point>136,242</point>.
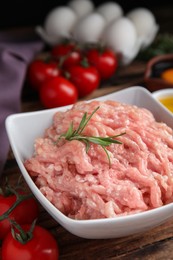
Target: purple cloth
<point>16,51</point>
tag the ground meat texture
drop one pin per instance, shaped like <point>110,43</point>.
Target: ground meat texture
<point>83,185</point>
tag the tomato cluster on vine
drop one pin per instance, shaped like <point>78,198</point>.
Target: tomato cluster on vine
<point>70,72</point>
<point>20,236</point>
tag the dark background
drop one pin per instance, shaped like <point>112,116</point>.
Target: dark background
<point>29,13</point>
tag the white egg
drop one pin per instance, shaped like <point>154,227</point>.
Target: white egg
<point>58,24</point>
<point>60,21</point>
<point>81,7</point>
<point>145,24</point>
<point>110,10</point>
<point>121,36</point>
<point>89,29</point>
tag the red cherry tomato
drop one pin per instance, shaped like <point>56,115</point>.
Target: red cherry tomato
<point>69,52</point>
<point>58,92</point>
<point>24,213</point>
<point>104,60</point>
<point>41,246</point>
<point>39,71</point>
<point>86,79</point>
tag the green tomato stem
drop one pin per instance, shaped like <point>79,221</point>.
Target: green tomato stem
<point>23,236</point>
<point>19,199</point>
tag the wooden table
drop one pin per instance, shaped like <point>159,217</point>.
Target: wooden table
<point>153,244</point>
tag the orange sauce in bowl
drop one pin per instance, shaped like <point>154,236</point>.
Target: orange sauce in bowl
<point>167,101</point>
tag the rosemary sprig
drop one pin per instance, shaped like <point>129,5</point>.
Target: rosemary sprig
<point>73,134</point>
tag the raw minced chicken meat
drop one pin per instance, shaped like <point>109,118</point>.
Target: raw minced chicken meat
<point>83,185</point>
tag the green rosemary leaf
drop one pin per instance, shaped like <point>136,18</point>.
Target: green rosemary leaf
<point>107,155</point>
<point>87,145</point>
<point>115,136</point>
<point>101,141</point>
<point>69,131</point>
<point>82,124</point>
<point>87,120</point>
<point>104,140</point>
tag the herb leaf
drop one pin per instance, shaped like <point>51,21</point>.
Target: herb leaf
<point>69,131</point>
<point>163,44</point>
<point>87,120</point>
<point>72,134</point>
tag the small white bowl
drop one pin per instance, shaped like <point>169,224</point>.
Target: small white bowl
<point>163,93</point>
<point>23,128</point>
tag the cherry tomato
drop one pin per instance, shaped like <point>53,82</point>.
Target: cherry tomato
<point>86,79</point>
<point>58,92</point>
<point>41,246</point>
<point>104,60</point>
<point>39,71</point>
<point>24,213</point>
<point>69,52</point>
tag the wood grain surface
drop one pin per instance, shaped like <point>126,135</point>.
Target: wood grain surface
<point>155,244</point>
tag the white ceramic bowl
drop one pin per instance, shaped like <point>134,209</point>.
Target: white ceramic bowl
<point>162,94</point>
<point>23,128</point>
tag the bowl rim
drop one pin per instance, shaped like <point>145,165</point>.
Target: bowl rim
<point>163,92</point>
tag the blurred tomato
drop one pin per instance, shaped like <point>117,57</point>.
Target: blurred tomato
<point>85,78</point>
<point>104,59</point>
<point>39,71</point>
<point>67,53</point>
<point>58,92</point>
